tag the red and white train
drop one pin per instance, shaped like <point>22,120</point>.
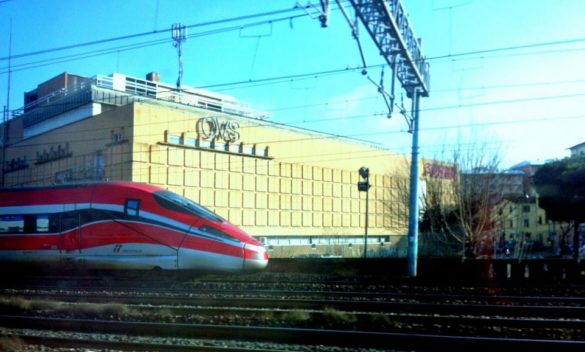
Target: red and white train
<point>121,225</point>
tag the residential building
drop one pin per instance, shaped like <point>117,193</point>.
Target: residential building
<point>578,149</point>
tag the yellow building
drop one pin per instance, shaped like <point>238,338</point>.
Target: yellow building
<point>524,226</point>
<point>296,189</point>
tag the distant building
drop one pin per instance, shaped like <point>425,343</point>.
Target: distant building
<point>527,169</point>
<point>498,185</point>
<point>294,188</point>
<point>520,227</point>
<point>578,149</point>
<point>524,228</point>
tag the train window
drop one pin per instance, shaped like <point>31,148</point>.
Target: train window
<point>132,207</point>
<point>69,220</point>
<point>218,233</point>
<point>54,223</point>
<point>11,223</point>
<point>42,223</point>
<point>174,201</point>
<point>94,215</point>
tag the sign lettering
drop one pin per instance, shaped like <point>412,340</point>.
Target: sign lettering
<point>436,170</point>
<point>211,128</point>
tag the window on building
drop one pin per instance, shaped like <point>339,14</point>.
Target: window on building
<point>540,220</point>
<point>511,224</point>
<point>11,223</point>
<point>526,208</point>
<point>248,150</point>
<point>175,139</point>
<point>219,146</point>
<point>526,223</point>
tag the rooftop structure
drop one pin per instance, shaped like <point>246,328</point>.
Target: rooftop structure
<point>70,94</point>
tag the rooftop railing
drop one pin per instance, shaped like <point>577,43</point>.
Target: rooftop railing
<point>141,88</point>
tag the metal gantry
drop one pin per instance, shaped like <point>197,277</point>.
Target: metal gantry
<point>389,27</point>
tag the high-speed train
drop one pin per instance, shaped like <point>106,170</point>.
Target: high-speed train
<point>121,225</point>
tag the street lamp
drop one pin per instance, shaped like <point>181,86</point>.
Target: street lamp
<point>364,186</point>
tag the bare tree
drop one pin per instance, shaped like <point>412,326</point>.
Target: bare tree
<point>457,202</point>
<point>476,192</point>
<point>438,231</point>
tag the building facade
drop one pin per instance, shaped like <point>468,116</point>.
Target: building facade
<point>525,230</point>
<point>578,149</point>
<point>295,189</point>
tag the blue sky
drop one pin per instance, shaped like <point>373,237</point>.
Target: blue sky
<point>526,103</point>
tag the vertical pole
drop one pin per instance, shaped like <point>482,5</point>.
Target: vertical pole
<point>576,241</point>
<point>6,112</point>
<point>366,233</point>
<point>179,35</point>
<point>3,141</point>
<point>9,71</point>
<point>180,79</point>
<point>413,200</point>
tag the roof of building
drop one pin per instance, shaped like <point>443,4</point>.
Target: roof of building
<point>576,146</point>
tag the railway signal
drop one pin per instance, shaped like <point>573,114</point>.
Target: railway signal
<point>364,186</point>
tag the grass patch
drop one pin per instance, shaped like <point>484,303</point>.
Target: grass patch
<point>79,309</point>
<point>11,343</point>
<point>339,318</point>
<point>297,316</point>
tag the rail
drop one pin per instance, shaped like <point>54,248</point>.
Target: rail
<point>345,338</point>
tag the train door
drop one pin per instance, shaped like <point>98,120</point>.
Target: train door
<point>70,232</point>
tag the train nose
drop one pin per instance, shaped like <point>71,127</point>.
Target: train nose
<point>256,257</point>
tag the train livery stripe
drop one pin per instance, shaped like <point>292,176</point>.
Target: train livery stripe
<point>141,234</point>
<point>154,218</point>
<point>44,208</point>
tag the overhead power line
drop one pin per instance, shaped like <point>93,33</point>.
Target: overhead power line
<point>138,35</point>
<point>509,48</point>
<point>140,45</point>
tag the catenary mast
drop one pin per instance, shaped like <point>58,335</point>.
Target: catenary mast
<point>389,27</point>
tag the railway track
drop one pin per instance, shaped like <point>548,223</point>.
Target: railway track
<point>346,317</point>
<point>316,337</point>
<point>287,298</point>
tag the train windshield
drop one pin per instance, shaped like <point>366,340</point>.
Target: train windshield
<point>174,201</point>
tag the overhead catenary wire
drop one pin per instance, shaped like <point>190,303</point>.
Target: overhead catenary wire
<point>446,107</point>
<point>240,18</point>
<point>153,32</point>
<point>509,48</point>
<point>293,122</point>
<point>140,45</point>
<point>322,135</point>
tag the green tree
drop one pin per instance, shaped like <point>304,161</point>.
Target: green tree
<point>561,189</point>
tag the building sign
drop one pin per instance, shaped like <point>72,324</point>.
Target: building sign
<point>52,154</point>
<point>435,170</point>
<point>212,128</point>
